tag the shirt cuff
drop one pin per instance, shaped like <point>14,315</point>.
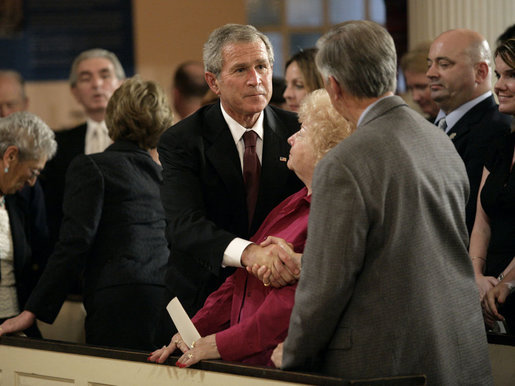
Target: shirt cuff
<point>233,252</point>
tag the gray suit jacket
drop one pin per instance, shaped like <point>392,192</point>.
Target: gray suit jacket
<point>387,287</point>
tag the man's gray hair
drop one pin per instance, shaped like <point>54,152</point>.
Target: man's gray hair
<point>33,138</point>
<point>361,56</point>
<point>96,53</point>
<point>227,34</point>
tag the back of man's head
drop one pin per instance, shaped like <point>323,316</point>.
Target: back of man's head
<point>361,56</point>
<point>189,80</point>
<point>415,60</point>
<point>12,93</point>
<point>95,53</point>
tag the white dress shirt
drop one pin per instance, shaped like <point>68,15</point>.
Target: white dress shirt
<point>233,252</point>
<point>454,116</point>
<point>97,138</point>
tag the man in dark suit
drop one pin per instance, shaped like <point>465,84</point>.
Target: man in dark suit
<point>460,81</point>
<point>204,193</point>
<point>95,74</point>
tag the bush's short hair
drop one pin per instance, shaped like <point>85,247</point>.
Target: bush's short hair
<point>360,55</point>
<point>138,111</point>
<point>33,138</point>
<point>228,34</point>
<point>305,59</point>
<point>416,59</point>
<point>96,53</point>
<point>326,126</point>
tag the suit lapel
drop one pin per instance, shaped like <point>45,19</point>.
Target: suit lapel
<point>274,172</point>
<point>222,153</point>
<point>471,117</point>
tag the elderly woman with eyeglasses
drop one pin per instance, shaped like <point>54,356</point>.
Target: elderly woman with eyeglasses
<point>26,143</point>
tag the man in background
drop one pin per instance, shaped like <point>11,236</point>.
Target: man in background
<point>12,93</point>
<point>414,67</point>
<point>189,87</point>
<point>459,72</point>
<point>95,75</point>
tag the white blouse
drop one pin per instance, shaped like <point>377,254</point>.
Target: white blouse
<point>8,298</point>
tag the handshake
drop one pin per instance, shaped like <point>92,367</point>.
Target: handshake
<point>274,262</point>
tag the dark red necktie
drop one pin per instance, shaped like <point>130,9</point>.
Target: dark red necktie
<point>251,171</point>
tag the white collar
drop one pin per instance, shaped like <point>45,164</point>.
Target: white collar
<point>238,130</point>
<point>454,116</point>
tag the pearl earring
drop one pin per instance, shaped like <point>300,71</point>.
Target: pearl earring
<point>6,170</point>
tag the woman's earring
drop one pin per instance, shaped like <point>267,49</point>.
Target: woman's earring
<point>6,170</point>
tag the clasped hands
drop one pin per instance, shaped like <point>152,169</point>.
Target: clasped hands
<point>274,262</point>
<point>204,348</point>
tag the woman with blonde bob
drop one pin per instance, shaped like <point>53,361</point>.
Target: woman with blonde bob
<point>244,320</point>
<point>113,230</point>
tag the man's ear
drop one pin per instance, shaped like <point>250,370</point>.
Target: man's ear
<point>481,72</point>
<point>333,88</point>
<point>212,82</point>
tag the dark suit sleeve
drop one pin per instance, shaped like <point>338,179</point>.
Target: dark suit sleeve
<point>189,229</point>
<point>82,208</point>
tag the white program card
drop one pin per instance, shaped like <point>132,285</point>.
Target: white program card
<point>182,322</point>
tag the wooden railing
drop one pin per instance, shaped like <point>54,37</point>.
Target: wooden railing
<point>32,361</point>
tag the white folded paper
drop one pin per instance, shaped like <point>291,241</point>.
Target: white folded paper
<point>182,322</point>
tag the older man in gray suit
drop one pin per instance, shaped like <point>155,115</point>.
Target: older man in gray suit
<point>386,286</point>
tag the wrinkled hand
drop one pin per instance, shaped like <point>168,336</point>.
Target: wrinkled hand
<point>271,256</point>
<point>287,269</point>
<point>485,283</point>
<point>277,356</point>
<point>204,348</point>
<point>18,323</point>
<point>162,354</point>
<point>496,295</point>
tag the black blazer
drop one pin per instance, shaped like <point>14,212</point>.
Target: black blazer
<point>472,135</point>
<point>70,143</point>
<point>24,270</point>
<point>204,195</point>
<point>113,229</point>
<point>27,262</point>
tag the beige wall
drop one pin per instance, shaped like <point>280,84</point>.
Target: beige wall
<point>166,33</point>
